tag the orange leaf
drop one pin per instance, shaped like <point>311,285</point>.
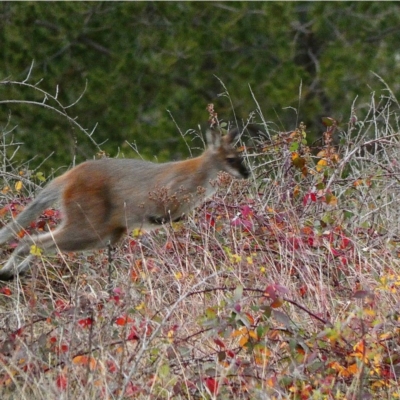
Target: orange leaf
<point>277,303</point>
<point>352,369</point>
<point>85,360</point>
<point>121,321</point>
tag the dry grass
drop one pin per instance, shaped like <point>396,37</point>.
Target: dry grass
<point>285,286</point>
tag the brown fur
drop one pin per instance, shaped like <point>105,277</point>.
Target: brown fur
<point>101,200</point>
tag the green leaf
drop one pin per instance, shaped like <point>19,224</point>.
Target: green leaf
<point>163,371</point>
<point>294,146</point>
<point>348,214</point>
<point>238,293</point>
<point>328,121</point>
<point>40,176</point>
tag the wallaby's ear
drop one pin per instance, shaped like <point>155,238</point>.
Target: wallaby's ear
<point>232,135</point>
<point>216,140</point>
<point>213,138</point>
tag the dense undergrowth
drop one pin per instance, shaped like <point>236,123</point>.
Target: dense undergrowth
<point>282,286</point>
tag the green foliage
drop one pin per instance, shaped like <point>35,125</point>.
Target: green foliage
<point>145,62</point>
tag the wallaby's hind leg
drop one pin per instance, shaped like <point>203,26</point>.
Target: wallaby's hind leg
<point>18,263</point>
<point>20,260</point>
<point>65,238</point>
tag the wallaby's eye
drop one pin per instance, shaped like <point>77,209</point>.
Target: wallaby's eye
<point>231,160</point>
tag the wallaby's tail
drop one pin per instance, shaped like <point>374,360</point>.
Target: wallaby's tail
<point>49,195</point>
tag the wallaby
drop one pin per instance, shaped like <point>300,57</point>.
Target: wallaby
<point>102,199</point>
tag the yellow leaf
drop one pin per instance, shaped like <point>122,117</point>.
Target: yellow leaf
<point>253,335</point>
<point>385,336</point>
<point>18,186</point>
<point>236,332</point>
<point>171,333</point>
<point>243,340</point>
<point>335,158</point>
<point>236,258</point>
<point>321,165</point>
<point>140,306</point>
<point>370,312</point>
<point>36,251</point>
<point>178,275</point>
<point>298,161</point>
<point>177,225</point>
<point>137,232</point>
<point>331,199</point>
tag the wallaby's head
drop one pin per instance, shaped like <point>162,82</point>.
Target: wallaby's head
<point>228,159</point>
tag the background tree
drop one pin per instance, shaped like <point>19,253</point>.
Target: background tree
<point>151,66</point>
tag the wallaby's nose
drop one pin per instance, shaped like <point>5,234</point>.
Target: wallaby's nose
<point>244,171</point>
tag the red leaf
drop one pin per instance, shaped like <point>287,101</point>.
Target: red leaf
<point>16,334</point>
<point>40,224</point>
<point>49,213</point>
<point>345,242</point>
<point>116,299</point>
<point>210,219</point>
<point>275,290</point>
<point>237,308</point>
<point>111,366</point>
<point>309,197</point>
<point>133,334</point>
<point>230,353</point>
<point>336,253</point>
<point>63,348</point>
<point>211,384</point>
<point>219,343</point>
<point>246,211</point>
<point>61,382</point>
<point>303,290</point>
<point>6,291</point>
<point>86,322</point>
<point>132,390</point>
<point>62,305</point>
